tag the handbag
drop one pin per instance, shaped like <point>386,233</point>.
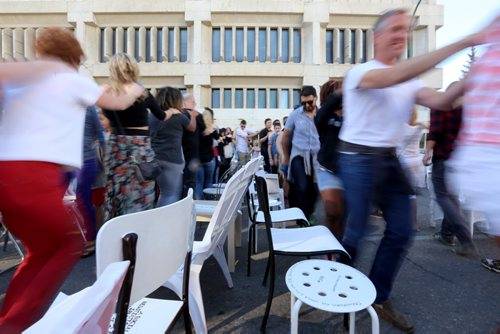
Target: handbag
<point>145,170</point>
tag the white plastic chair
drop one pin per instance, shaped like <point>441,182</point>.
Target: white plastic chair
<point>213,243</point>
<point>158,242</point>
<point>307,241</point>
<point>87,311</point>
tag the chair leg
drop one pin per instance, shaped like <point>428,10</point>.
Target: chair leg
<point>294,314</point>
<point>270,294</point>
<point>250,244</point>
<point>374,316</point>
<point>221,260</point>
<point>267,269</point>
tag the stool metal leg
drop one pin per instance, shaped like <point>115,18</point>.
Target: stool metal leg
<point>352,322</point>
<point>295,306</point>
<point>375,323</point>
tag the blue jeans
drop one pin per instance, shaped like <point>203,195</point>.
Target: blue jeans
<point>169,182</point>
<point>454,221</point>
<point>205,178</point>
<point>85,180</point>
<point>370,178</point>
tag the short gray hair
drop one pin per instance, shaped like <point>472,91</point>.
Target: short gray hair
<point>382,19</point>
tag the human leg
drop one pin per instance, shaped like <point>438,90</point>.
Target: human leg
<point>304,190</point>
<point>357,172</point>
<point>85,180</point>
<point>31,204</point>
<point>170,183</point>
<point>454,222</point>
<point>331,190</point>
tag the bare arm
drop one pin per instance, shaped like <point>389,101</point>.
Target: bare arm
<point>440,100</point>
<point>269,153</point>
<point>409,69</point>
<point>20,72</point>
<point>192,122</point>
<point>428,150</point>
<point>286,144</point>
<point>116,101</point>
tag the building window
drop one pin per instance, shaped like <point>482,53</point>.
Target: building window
<point>296,45</point>
<point>251,98</point>
<point>273,98</point>
<point>364,46</point>
<point>353,46</point>
<point>239,45</point>
<point>251,45</point>
<point>137,45</point>
<point>285,44</point>
<point>274,45</point>
<point>329,47</point>
<point>262,98</point>
<point>159,45</point>
<point>341,46</point>
<point>284,99</point>
<point>148,45</point>
<point>238,98</point>
<point>262,45</point>
<point>296,98</point>
<point>215,98</point>
<point>171,45</point>
<point>227,98</point>
<point>183,43</point>
<point>216,44</point>
<point>228,45</point>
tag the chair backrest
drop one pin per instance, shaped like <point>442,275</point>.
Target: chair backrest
<point>228,204</point>
<point>261,187</point>
<point>88,311</point>
<point>164,238</point>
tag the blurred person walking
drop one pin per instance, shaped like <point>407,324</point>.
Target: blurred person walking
<point>207,159</point>
<point>264,135</point>
<point>378,99</point>
<point>475,163</point>
<point>41,131</point>
<point>445,125</point>
<point>166,141</point>
<point>242,136</point>
<point>328,121</point>
<point>300,148</point>
<point>128,144</point>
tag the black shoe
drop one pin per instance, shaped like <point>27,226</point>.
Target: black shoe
<point>447,241</point>
<point>387,312</point>
<point>493,265</point>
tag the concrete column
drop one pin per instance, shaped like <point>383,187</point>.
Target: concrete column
<point>233,49</point>
<point>317,44</point>
<point>177,37</point>
<point>119,39</point>
<point>244,97</point>
<point>347,46</point>
<point>222,40</point>
<point>268,45</point>
<point>369,45</point>
<point>131,40</point>
<point>257,44</point>
<point>359,46</point>
<point>18,44</point>
<point>245,43</point>
<point>290,45</point>
<point>336,46</point>
<point>268,97</point>
<point>233,97</point>
<point>29,39</point>
<point>7,44</point>
<point>153,44</point>
<point>280,45</point>
<point>108,43</point>
<point>164,44</point>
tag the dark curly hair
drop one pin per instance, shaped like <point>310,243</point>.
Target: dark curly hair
<point>61,43</point>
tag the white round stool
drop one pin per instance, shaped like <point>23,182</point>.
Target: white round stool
<point>330,286</point>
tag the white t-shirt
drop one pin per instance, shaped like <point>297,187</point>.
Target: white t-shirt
<point>242,140</point>
<point>44,121</point>
<point>376,117</point>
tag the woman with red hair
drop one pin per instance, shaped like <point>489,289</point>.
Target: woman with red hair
<point>41,131</point>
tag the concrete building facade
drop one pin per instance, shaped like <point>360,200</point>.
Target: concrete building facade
<point>245,59</point>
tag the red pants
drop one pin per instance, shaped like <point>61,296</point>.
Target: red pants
<point>31,205</point>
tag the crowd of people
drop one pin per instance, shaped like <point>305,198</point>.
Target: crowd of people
<point>356,147</point>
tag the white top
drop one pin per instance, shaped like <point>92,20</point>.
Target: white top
<point>242,140</point>
<point>375,117</point>
<point>409,146</point>
<point>44,121</point>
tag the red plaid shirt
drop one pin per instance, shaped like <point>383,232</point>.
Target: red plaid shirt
<point>445,125</point>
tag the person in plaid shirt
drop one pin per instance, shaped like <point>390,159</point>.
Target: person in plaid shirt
<point>445,125</point>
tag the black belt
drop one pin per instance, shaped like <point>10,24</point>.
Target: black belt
<point>344,146</point>
<point>131,132</point>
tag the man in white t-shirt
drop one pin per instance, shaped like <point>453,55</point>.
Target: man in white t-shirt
<point>378,100</point>
<point>242,135</point>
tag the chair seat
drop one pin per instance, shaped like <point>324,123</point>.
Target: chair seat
<point>305,240</point>
<point>283,215</point>
<point>150,315</point>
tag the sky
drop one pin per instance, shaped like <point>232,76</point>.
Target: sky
<point>462,17</point>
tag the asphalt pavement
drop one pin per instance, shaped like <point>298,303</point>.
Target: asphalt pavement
<point>439,291</point>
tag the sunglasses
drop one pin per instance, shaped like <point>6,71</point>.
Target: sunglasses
<point>310,102</point>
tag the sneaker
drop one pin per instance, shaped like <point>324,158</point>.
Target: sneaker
<point>387,312</point>
<point>447,241</point>
<point>491,264</point>
<point>468,250</point>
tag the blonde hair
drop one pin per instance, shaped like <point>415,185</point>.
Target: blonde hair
<point>208,117</point>
<point>123,69</point>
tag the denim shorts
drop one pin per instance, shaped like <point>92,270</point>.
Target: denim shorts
<point>327,180</point>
